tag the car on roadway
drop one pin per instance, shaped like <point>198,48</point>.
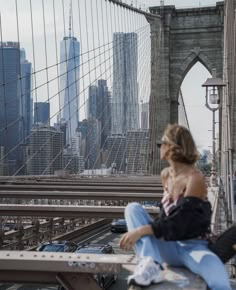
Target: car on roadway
<point>58,246</point>
<point>9,227</point>
<point>152,203</point>
<point>118,226</point>
<point>104,280</point>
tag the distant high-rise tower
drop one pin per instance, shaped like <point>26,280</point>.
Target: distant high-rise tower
<point>10,119</point>
<point>104,111</point>
<point>26,101</point>
<point>93,144</point>
<point>137,151</point>
<point>46,148</point>
<point>2,161</point>
<point>92,102</point>
<point>145,116</point>
<point>99,108</point>
<point>42,113</point>
<point>117,153</point>
<point>69,86</point>
<point>125,107</point>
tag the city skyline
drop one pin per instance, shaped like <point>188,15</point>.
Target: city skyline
<point>50,54</point>
<point>38,58</point>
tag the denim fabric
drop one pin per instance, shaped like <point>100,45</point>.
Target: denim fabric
<point>193,254</point>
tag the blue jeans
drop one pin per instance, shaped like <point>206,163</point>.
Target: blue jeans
<point>193,254</point>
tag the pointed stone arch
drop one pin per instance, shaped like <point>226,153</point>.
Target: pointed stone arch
<point>189,62</point>
<point>186,36</point>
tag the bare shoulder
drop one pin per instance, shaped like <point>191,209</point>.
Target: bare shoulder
<point>196,185</point>
<point>164,175</point>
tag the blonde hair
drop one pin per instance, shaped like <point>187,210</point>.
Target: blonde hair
<point>182,147</point>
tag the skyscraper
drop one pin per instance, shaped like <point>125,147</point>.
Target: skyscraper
<point>26,101</point>
<point>116,153</point>
<point>137,150</point>
<point>92,102</point>
<point>46,148</point>
<point>9,102</point>
<point>93,144</point>
<point>125,109</point>
<point>2,162</point>
<point>42,113</point>
<point>69,86</point>
<point>83,130</point>
<point>99,108</point>
<point>145,116</point>
<point>104,111</point>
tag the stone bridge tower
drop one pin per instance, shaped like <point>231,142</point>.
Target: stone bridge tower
<point>179,39</point>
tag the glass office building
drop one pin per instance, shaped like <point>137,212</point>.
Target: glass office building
<point>42,113</point>
<point>26,101</point>
<point>10,119</point>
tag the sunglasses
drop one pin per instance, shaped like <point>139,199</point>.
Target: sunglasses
<point>162,142</point>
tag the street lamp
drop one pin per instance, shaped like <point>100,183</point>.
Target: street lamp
<point>214,88</point>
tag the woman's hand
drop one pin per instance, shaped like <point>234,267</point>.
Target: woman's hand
<point>128,240</point>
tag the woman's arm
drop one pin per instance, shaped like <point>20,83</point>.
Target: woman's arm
<point>128,240</point>
<point>196,186</point>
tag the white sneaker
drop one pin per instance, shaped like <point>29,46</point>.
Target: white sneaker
<point>146,273</point>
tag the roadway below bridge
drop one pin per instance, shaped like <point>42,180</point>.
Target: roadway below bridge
<point>102,237</point>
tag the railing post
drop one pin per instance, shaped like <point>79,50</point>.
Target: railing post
<point>1,238</point>
<point>50,227</point>
<point>72,224</point>
<point>36,232</point>
<point>62,228</point>
<point>20,235</point>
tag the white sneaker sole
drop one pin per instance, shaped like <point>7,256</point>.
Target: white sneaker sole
<point>158,280</point>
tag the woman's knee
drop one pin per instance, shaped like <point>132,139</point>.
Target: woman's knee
<point>133,208</point>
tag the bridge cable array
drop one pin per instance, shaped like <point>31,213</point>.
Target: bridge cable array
<point>113,40</point>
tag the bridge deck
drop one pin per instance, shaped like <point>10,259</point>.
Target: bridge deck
<point>23,266</point>
<point>68,266</point>
<point>176,278</point>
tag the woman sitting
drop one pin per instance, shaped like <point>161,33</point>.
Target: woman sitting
<point>179,236</point>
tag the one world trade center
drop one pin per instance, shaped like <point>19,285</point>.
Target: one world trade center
<point>69,89</point>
